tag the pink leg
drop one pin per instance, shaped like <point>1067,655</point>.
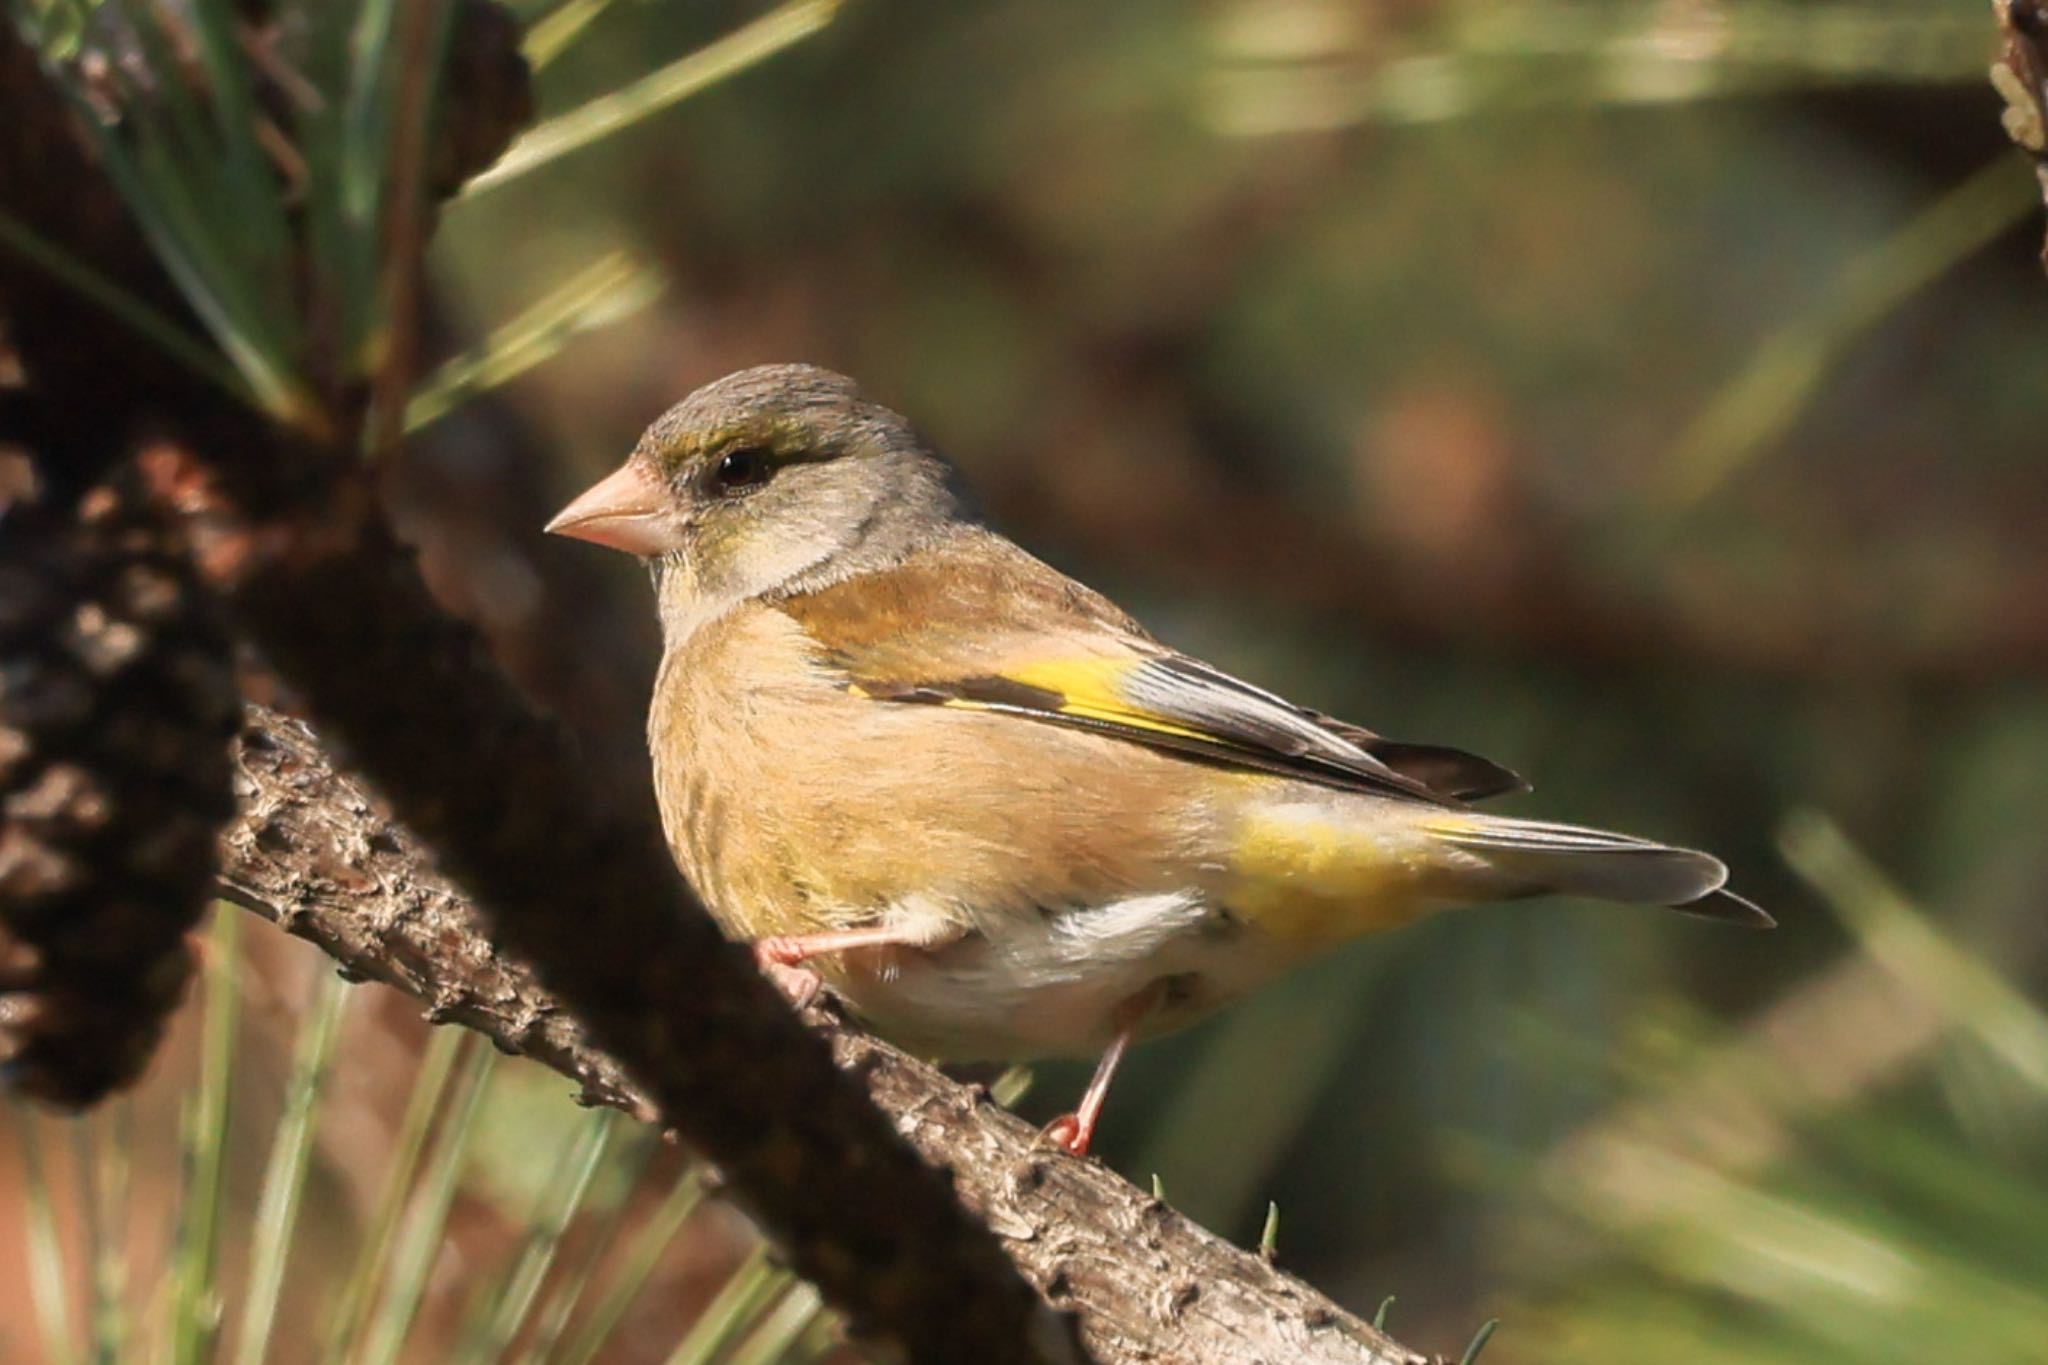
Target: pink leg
<point>783,956</point>
<point>1075,1132</point>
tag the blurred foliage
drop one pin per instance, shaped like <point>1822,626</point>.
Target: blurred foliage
<point>1886,1232</point>
<point>586,1216</point>
<point>290,282</point>
<point>1387,352</point>
<point>1695,307</point>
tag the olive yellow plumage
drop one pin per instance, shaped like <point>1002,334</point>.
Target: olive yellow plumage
<point>979,800</point>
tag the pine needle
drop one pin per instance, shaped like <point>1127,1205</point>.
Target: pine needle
<point>738,1305</point>
<point>174,341</point>
<point>1902,939</point>
<point>211,210</point>
<point>576,1281</point>
<point>429,1089</point>
<point>613,288</point>
<point>195,1267</point>
<point>1013,1085</point>
<point>284,1179</point>
<point>108,1188</point>
<point>641,1259</point>
<point>1754,410</point>
<point>548,38</point>
<point>552,1214</point>
<point>775,1341</point>
<point>420,1237</point>
<point>781,27</point>
<point>47,1283</point>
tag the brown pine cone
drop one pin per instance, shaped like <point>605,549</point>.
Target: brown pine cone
<point>117,699</point>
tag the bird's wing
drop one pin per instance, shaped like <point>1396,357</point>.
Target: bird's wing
<point>1444,770</point>
<point>992,629</point>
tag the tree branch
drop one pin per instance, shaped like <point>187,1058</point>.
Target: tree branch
<point>311,851</point>
<point>288,530</point>
<point>632,990</point>
<point>2021,76</point>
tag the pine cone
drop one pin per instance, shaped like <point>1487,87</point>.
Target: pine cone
<point>117,699</point>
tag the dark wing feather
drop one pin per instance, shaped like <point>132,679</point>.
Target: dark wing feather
<point>1452,772</point>
<point>977,623</point>
<point>1181,705</point>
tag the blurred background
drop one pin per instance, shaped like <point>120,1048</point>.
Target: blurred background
<point>1648,396</point>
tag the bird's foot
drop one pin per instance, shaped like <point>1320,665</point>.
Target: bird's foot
<point>1070,1133</point>
<point>781,961</point>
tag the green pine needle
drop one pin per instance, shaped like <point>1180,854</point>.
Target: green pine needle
<point>640,1261</point>
<point>1012,1086</point>
<point>1269,1235</point>
<point>420,1236</point>
<point>429,1090</point>
<point>781,27</point>
<point>575,1283</point>
<point>741,1303</point>
<point>360,155</point>
<point>1379,1319</point>
<point>174,341</point>
<point>195,1258</point>
<point>1509,59</point>
<point>1754,409</point>
<point>1478,1343</point>
<point>775,1342</point>
<point>103,1243</point>
<point>284,1179</point>
<point>47,1282</point>
<point>107,1189</point>
<point>211,209</point>
<point>552,1214</point>
<point>189,159</point>
<point>1902,939</point>
<point>548,38</point>
<point>613,288</point>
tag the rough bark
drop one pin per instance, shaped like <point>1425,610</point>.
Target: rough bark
<point>312,851</point>
<point>2020,75</point>
<point>290,534</point>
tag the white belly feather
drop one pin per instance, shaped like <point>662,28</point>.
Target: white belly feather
<point>1050,984</point>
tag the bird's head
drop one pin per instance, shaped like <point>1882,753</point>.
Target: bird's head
<point>775,479</point>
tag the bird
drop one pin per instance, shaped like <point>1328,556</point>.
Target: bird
<point>906,759</point>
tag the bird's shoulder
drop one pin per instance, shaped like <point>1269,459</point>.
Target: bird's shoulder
<point>973,602</point>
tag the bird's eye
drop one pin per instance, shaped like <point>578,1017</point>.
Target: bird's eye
<point>741,469</point>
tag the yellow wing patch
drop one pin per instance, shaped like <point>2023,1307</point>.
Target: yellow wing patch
<point>1170,702</point>
<point>1085,689</point>
<point>1091,689</point>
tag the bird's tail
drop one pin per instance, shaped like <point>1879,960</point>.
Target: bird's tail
<point>1535,858</point>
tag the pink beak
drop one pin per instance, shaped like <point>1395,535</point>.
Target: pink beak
<point>626,510</point>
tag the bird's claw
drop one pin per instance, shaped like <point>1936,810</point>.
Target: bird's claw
<point>1067,1134</point>
<point>796,982</point>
